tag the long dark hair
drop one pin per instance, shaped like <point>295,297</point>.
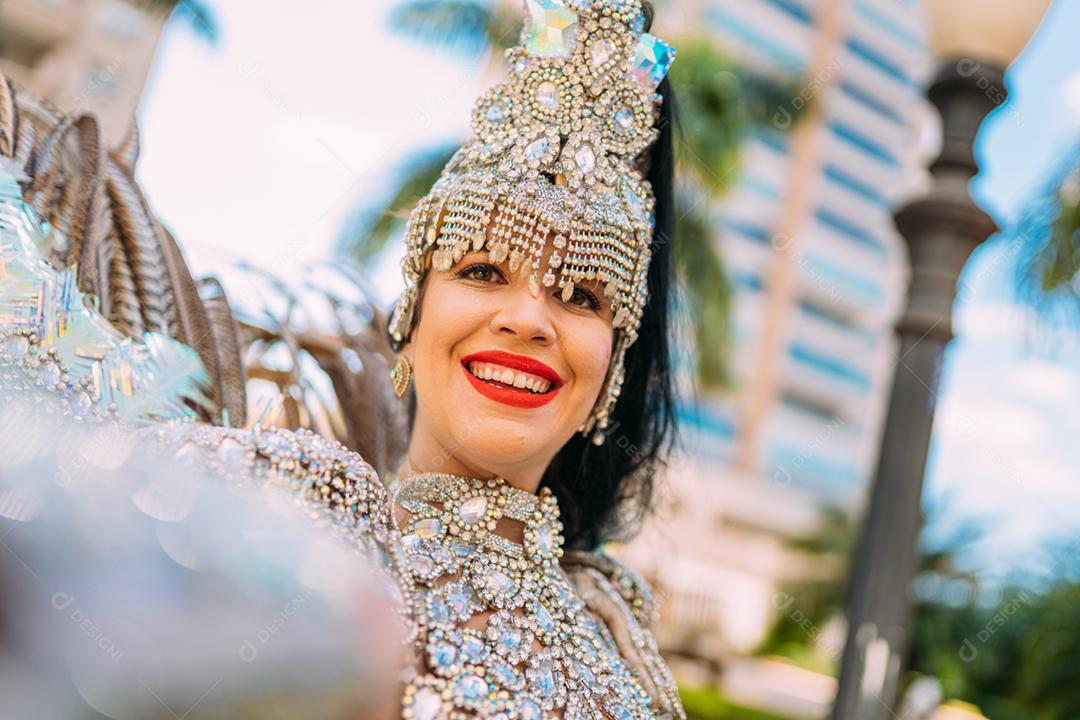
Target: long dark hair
<point>604,491</point>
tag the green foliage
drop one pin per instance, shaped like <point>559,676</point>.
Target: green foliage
<point>1017,658</point>
<point>1050,676</point>
<point>1050,236</point>
<point>708,704</point>
<point>368,231</point>
<point>708,291</point>
<point>719,104</point>
<point>814,602</point>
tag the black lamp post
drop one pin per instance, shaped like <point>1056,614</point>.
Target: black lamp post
<point>941,230</point>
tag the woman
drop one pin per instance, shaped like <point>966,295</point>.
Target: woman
<point>533,332</point>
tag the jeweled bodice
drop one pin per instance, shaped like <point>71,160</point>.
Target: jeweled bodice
<point>502,629</point>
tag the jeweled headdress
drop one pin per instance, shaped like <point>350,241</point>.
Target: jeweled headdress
<point>555,154</point>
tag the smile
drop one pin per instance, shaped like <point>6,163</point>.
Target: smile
<point>510,379</point>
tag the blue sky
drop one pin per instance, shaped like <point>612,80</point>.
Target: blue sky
<point>260,148</point>
<point>1004,451</point>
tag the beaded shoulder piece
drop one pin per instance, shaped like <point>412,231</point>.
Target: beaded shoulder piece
<point>631,586</point>
<point>624,601</point>
<point>554,159</point>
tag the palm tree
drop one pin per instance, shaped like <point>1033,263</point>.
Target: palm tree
<point>368,229</point>
<point>719,106</point>
<point>1050,232</point>
<point>1052,654</point>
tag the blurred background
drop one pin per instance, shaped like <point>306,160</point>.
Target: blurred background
<point>881,371</point>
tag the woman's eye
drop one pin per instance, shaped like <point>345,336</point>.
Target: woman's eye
<point>487,273</point>
<point>482,272</point>
<point>584,298</point>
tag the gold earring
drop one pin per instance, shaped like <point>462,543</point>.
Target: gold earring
<point>400,375</point>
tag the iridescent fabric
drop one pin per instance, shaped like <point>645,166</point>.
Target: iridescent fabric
<point>51,339</point>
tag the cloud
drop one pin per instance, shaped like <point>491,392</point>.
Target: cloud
<point>1071,95</point>
<point>1050,384</point>
<point>1004,442</point>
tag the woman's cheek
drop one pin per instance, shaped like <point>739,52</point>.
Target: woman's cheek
<point>592,360</point>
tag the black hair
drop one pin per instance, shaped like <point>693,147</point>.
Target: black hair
<point>604,491</point>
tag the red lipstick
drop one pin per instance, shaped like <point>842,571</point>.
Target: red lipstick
<point>516,397</point>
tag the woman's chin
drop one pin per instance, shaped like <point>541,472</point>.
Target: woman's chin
<point>495,434</point>
<point>513,424</point>
<point>505,440</point>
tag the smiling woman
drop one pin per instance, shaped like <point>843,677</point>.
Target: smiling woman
<point>482,347</point>
<point>533,327</point>
<point>590,324</point>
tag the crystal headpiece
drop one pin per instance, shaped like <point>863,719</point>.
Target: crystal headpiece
<point>555,157</point>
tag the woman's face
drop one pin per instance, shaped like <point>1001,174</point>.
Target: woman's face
<point>481,335</point>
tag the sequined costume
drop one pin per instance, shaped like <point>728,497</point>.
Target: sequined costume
<point>494,627</point>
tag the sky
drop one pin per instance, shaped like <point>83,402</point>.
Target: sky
<point>1004,450</point>
<point>260,147</point>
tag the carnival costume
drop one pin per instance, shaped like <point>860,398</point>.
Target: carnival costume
<point>493,627</point>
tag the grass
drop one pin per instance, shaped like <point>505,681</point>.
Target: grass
<point>708,704</point>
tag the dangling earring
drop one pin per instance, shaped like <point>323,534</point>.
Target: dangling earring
<point>400,375</point>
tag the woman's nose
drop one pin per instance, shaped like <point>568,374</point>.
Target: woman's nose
<point>524,315</point>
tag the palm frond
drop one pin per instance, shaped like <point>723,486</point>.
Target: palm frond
<point>1049,239</point>
<point>835,536</point>
<point>466,26</point>
<point>367,231</point>
<point>719,105</point>
<point>708,291</point>
<point>821,598</point>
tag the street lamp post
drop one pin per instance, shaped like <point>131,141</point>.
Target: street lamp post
<point>977,39</point>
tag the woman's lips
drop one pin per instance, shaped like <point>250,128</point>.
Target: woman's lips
<point>506,395</point>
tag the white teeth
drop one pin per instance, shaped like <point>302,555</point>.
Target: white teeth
<point>498,373</point>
